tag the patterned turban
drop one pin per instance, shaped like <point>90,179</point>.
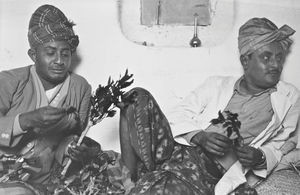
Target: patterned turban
<point>258,32</point>
<point>48,24</point>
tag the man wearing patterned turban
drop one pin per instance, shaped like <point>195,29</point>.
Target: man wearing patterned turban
<point>263,48</point>
<point>42,107</point>
<point>50,24</point>
<point>258,32</point>
<point>225,161</point>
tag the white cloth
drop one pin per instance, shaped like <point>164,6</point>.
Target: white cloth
<point>195,112</point>
<point>58,96</point>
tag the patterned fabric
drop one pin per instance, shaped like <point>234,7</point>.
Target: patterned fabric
<point>258,32</point>
<point>280,182</point>
<point>47,24</point>
<point>164,166</point>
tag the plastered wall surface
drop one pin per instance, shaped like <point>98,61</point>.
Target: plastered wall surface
<point>169,73</point>
<point>179,33</point>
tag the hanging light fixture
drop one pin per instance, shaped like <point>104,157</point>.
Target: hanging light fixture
<point>195,41</point>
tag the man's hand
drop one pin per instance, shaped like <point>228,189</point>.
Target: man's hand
<point>86,151</point>
<point>249,156</point>
<point>41,118</point>
<point>212,142</point>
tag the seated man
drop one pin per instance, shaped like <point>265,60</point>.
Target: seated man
<point>42,106</point>
<point>203,159</point>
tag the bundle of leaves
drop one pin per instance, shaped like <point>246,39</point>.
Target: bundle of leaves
<point>93,178</point>
<point>232,124</point>
<point>106,98</point>
<point>90,179</point>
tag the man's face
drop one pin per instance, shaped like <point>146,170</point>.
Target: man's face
<point>53,60</point>
<point>263,68</point>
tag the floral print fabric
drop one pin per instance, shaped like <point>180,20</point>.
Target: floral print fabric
<point>164,166</point>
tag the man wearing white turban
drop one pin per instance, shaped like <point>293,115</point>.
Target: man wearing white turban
<point>202,159</point>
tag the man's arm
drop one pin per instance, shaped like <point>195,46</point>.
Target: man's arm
<point>194,113</point>
<point>8,87</point>
<point>285,141</point>
<point>83,119</point>
<point>184,117</point>
<point>85,107</point>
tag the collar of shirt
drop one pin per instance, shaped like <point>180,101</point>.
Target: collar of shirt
<point>237,89</point>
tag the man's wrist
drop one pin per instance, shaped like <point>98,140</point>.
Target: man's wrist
<point>261,164</point>
<point>198,138</point>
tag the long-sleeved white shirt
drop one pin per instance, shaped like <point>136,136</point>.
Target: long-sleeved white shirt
<point>195,112</point>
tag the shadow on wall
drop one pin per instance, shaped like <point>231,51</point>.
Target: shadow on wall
<point>76,60</point>
<point>161,31</point>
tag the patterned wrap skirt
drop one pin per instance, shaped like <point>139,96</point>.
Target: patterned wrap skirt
<point>163,165</point>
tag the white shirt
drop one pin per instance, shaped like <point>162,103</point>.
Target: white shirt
<point>194,113</point>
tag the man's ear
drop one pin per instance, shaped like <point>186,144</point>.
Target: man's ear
<point>32,54</point>
<point>244,61</point>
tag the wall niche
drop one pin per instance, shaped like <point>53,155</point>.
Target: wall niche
<point>175,12</point>
<point>170,23</point>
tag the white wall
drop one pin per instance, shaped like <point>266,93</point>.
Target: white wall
<point>169,73</point>
<point>222,13</point>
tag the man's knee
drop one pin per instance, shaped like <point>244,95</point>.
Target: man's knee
<point>15,188</point>
<point>137,98</point>
<point>139,92</point>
